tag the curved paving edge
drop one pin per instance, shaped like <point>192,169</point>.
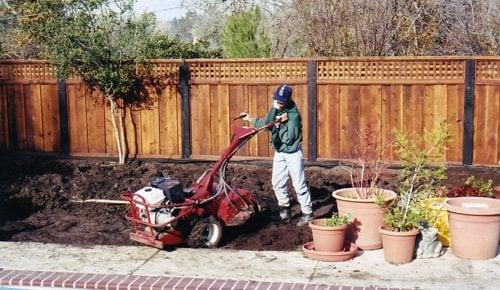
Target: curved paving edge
<point>20,278</point>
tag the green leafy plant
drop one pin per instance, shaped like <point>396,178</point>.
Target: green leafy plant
<point>485,187</point>
<point>337,220</point>
<point>420,176</point>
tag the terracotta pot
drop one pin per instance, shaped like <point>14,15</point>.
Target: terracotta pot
<point>496,191</point>
<point>327,239</point>
<point>474,226</point>
<point>367,216</point>
<point>398,246</point>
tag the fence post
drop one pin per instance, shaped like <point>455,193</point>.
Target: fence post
<point>312,107</point>
<point>185,111</point>
<point>470,83</point>
<point>63,117</point>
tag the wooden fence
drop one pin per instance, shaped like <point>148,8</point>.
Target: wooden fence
<point>38,113</point>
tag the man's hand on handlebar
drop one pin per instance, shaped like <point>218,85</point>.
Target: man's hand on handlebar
<point>282,118</point>
<point>245,116</point>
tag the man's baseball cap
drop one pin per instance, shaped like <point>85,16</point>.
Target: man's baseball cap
<point>283,94</point>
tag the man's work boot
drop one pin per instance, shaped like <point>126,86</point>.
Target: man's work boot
<point>305,219</point>
<point>283,215</point>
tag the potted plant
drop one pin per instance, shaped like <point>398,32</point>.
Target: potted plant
<point>329,233</point>
<point>363,200</point>
<point>418,181</point>
<point>435,207</point>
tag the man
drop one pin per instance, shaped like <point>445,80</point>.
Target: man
<point>286,137</point>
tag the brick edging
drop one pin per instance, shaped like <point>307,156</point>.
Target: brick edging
<point>19,278</point>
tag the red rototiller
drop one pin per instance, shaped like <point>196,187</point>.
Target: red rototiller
<point>165,214</point>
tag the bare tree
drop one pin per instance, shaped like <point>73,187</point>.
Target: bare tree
<point>367,28</point>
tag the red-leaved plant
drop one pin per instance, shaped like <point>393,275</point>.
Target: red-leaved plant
<point>367,167</point>
<point>473,187</point>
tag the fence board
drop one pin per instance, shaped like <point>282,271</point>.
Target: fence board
<point>429,107</point>
<point>81,119</point>
<point>323,124</point>
<point>269,98</point>
<point>223,121</point>
<point>491,128</point>
<point>253,109</point>
<point>300,98</point>
<point>30,117</point>
<point>213,126</point>
<point>235,93</point>
<point>241,106</point>
<point>150,125</point>
<point>72,127</point>
<point>4,122</point>
<point>455,109</point>
<point>95,122</point>
<point>50,111</point>
<point>353,113</point>
<point>344,121</point>
<point>480,100</point>
<point>38,118</point>
<point>11,116</point>
<point>418,106</point>
<point>203,126</point>
<point>486,124</point>
<point>169,111</point>
<point>387,121</point>
<point>194,104</point>
<point>18,96</point>
<point>262,110</point>
<point>132,129</point>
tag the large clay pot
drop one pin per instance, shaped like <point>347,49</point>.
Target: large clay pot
<point>327,239</point>
<point>367,217</point>
<point>496,191</point>
<point>474,226</point>
<point>398,246</point>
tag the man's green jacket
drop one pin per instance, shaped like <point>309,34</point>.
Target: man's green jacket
<point>287,137</point>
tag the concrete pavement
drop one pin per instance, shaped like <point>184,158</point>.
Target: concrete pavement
<point>368,269</point>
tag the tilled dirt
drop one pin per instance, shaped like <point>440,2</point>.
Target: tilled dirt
<point>36,197</point>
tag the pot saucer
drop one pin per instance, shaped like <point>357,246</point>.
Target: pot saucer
<point>348,253</point>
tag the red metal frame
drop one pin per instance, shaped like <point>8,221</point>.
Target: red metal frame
<point>227,207</point>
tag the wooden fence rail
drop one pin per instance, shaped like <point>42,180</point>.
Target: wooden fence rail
<point>190,116</point>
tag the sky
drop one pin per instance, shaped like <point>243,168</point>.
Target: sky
<point>164,9</point>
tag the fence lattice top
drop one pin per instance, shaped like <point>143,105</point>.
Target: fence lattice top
<point>488,70</point>
<point>31,70</point>
<point>391,70</point>
<point>248,71</point>
<point>363,70</point>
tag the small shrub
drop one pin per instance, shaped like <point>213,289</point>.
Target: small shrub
<point>419,179</point>
<point>473,187</point>
<point>336,220</point>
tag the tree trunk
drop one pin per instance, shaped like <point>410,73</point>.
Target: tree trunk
<point>122,135</point>
<point>118,133</point>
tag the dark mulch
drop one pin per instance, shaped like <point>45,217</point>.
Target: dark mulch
<point>35,196</point>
